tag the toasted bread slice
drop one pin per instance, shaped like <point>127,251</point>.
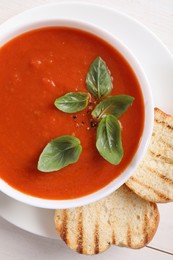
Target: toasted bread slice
<point>153,179</point>
<point>122,219</point>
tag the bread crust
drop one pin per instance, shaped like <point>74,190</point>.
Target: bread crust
<point>153,179</point>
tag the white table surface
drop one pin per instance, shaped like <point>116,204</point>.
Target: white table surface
<point>16,244</point>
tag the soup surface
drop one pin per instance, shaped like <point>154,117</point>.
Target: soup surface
<point>35,69</point>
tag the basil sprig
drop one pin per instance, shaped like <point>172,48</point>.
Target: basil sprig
<point>115,105</point>
<point>108,141</point>
<point>66,150</point>
<point>59,153</point>
<point>99,80</point>
<point>72,102</point>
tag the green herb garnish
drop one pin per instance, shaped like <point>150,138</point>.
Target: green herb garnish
<point>59,153</point>
<point>99,80</point>
<point>116,106</point>
<point>108,141</point>
<point>66,150</point>
<point>72,102</point>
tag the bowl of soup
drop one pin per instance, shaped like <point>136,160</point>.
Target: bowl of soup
<point>41,62</point>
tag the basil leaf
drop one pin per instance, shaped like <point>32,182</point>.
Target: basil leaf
<point>116,106</point>
<point>108,141</point>
<point>59,153</point>
<point>72,102</point>
<point>99,80</point>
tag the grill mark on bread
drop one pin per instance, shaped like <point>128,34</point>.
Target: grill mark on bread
<point>79,235</point>
<point>129,237</point>
<point>96,238</point>
<point>160,175</point>
<point>64,226</point>
<point>145,228</point>
<point>166,144</point>
<point>160,195</point>
<point>161,157</point>
<point>113,238</point>
<point>170,127</point>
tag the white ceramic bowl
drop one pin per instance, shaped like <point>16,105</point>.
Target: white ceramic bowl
<point>9,30</point>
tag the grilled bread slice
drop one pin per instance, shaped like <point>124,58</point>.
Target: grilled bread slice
<point>153,179</point>
<point>122,219</point>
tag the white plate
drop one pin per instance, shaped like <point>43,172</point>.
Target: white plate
<point>155,58</point>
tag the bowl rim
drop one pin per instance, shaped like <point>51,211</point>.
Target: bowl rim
<point>148,109</point>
